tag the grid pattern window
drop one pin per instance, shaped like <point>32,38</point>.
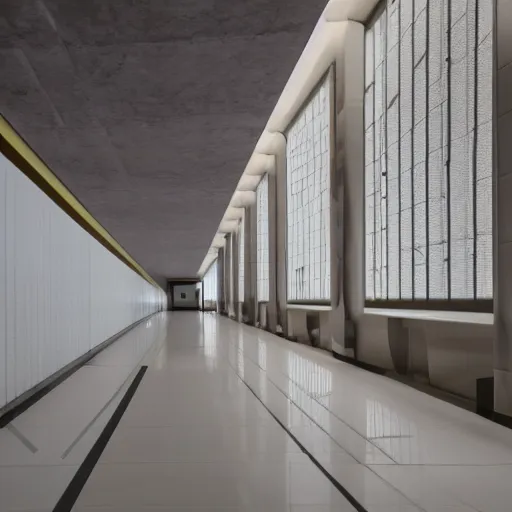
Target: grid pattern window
<point>241,261</point>
<point>308,158</point>
<point>428,151</point>
<point>262,240</point>
<point>199,291</point>
<point>210,284</point>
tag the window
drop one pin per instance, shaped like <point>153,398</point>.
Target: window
<point>210,285</point>
<point>262,240</point>
<point>428,151</point>
<point>199,294</point>
<point>230,291</point>
<point>241,261</point>
<point>308,159</point>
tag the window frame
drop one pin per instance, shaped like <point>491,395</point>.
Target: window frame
<point>476,305</point>
<point>330,76</point>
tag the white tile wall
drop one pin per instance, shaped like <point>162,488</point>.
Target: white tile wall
<point>61,292</point>
<point>3,284</point>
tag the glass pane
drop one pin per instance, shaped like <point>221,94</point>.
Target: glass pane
<point>428,153</point>
<point>308,191</point>
<point>262,240</point>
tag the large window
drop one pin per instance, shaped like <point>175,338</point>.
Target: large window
<point>210,286</point>
<point>262,240</point>
<point>428,152</point>
<point>308,159</point>
<point>241,261</point>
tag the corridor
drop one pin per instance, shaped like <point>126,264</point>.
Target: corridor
<point>229,417</point>
<point>215,215</point>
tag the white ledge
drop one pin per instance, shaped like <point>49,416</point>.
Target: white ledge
<point>439,316</point>
<point>309,307</point>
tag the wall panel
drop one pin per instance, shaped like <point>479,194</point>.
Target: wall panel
<point>62,293</point>
<point>3,287</point>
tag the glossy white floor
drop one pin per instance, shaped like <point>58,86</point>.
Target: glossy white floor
<point>195,437</point>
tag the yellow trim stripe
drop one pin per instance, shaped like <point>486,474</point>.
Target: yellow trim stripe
<point>53,184</point>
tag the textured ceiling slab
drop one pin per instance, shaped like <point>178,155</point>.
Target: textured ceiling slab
<point>149,111</point>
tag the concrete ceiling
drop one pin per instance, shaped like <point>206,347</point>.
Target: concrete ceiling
<point>148,110</point>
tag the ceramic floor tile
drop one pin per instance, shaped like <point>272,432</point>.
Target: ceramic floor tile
<point>33,441</point>
<point>484,488</point>
<point>78,399</point>
<point>198,443</point>
<point>162,509</point>
<point>178,485</point>
<point>367,487</point>
<point>318,443</point>
<point>396,508</point>
<point>322,508</point>
<point>305,402</point>
<point>153,415</point>
<point>285,508</point>
<point>27,510</point>
<point>424,487</point>
<point>287,482</point>
<point>33,487</point>
<point>196,438</point>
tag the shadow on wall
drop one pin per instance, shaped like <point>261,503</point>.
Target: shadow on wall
<point>449,356</point>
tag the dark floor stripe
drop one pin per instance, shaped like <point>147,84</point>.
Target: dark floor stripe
<point>348,496</point>
<point>68,499</point>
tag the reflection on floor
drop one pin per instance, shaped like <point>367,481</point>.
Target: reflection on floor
<point>198,434</point>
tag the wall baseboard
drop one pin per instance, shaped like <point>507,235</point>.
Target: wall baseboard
<point>23,402</point>
<point>360,364</point>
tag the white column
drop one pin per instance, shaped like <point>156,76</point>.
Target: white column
<point>221,304</point>
<point>277,228</point>
<point>348,190</point>
<point>251,257</point>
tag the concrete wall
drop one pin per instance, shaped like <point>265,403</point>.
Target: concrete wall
<point>61,292</point>
<point>503,210</point>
